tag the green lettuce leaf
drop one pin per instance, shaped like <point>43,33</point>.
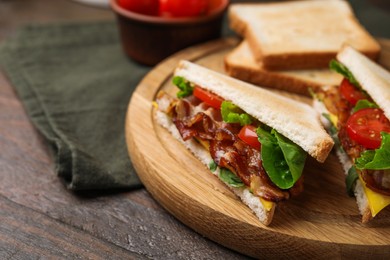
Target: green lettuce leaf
<point>333,132</point>
<point>233,114</point>
<point>350,180</point>
<point>378,159</point>
<point>230,178</point>
<point>364,103</point>
<point>282,159</point>
<point>212,166</point>
<point>185,87</point>
<point>341,69</point>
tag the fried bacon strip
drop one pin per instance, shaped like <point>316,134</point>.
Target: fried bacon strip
<point>374,179</point>
<point>195,119</point>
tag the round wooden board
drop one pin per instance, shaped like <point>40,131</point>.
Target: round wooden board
<point>322,222</point>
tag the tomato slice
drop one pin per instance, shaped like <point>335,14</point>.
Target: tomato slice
<point>208,97</point>
<point>248,135</point>
<point>365,127</point>
<point>187,8</point>
<point>350,92</point>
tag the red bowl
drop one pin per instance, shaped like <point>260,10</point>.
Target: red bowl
<point>150,39</point>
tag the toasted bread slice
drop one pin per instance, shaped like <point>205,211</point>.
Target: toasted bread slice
<point>300,34</point>
<point>297,121</point>
<point>374,79</point>
<point>241,64</point>
<point>346,163</point>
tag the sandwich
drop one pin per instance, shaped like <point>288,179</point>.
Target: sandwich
<point>357,116</point>
<point>241,64</point>
<point>300,34</point>
<point>253,140</point>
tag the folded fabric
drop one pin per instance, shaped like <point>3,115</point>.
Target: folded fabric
<point>75,84</point>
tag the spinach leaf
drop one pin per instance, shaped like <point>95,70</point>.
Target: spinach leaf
<point>213,166</point>
<point>333,132</point>
<point>378,159</point>
<point>350,180</point>
<point>364,103</point>
<point>230,178</point>
<point>185,86</point>
<point>341,69</point>
<point>282,159</point>
<point>233,114</point>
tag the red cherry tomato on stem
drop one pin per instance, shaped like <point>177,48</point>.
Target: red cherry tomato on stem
<point>187,8</point>
<point>351,93</point>
<point>365,127</point>
<point>248,135</point>
<point>208,97</point>
<point>147,7</point>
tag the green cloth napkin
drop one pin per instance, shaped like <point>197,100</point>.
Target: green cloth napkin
<point>75,84</point>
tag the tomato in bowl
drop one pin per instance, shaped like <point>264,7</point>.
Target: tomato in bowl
<point>184,8</point>
<point>148,39</point>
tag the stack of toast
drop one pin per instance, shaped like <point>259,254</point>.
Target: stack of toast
<point>288,45</point>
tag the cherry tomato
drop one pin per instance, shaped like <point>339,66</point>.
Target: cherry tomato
<point>164,9</point>
<point>350,92</point>
<point>365,126</point>
<point>248,135</point>
<point>148,7</point>
<point>187,8</point>
<point>208,97</point>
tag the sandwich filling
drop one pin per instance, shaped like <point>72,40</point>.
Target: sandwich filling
<point>248,153</point>
<point>362,130</point>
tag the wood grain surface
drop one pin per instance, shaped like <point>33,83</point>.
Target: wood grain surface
<point>39,217</point>
<point>323,220</point>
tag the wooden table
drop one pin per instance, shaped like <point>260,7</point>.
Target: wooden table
<point>39,217</point>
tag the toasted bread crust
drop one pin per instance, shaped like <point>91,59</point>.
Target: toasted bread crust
<point>374,79</point>
<point>236,24</point>
<point>295,120</point>
<point>323,146</point>
<point>300,34</point>
<point>240,64</point>
<point>366,216</point>
<point>266,80</point>
<point>303,60</point>
<point>346,163</point>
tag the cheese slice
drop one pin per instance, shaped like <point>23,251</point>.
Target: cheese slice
<point>334,119</point>
<point>376,201</point>
<point>268,205</point>
<point>204,143</point>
